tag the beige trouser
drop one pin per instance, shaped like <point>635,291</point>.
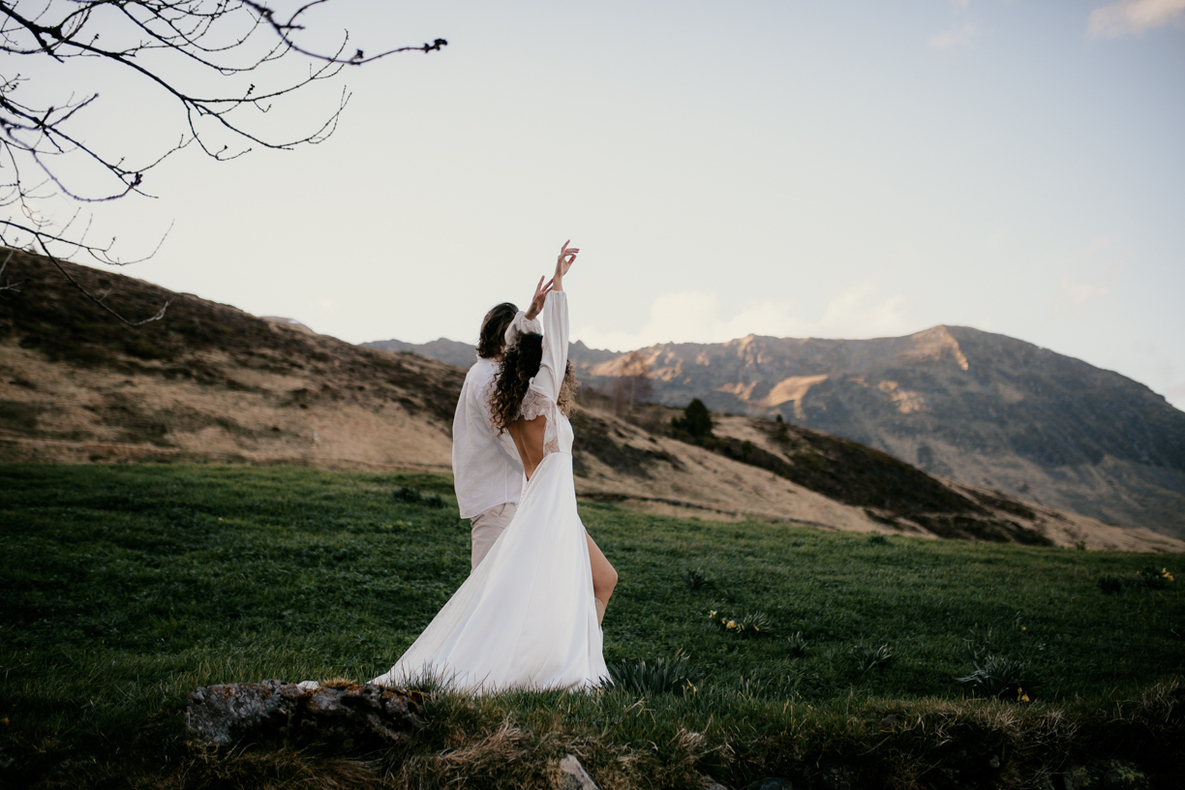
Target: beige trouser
<point>487,526</point>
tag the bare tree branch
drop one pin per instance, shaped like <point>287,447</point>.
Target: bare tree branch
<point>97,300</point>
<point>221,37</point>
<point>8,286</point>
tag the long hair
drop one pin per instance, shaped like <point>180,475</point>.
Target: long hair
<point>493,330</point>
<point>520,363</point>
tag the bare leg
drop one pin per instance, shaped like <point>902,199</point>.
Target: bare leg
<point>603,576</point>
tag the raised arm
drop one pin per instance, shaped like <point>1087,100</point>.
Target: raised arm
<point>528,323</point>
<point>563,264</point>
<point>555,329</point>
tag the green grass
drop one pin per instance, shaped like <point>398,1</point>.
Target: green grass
<point>123,588</point>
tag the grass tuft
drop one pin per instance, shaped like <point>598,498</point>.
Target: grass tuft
<point>869,658</point>
<point>695,579</point>
<point>1001,678</point>
<point>658,676</point>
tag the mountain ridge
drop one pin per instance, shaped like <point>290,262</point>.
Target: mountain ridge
<point>979,407</point>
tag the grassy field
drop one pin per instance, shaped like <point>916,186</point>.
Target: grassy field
<point>123,588</point>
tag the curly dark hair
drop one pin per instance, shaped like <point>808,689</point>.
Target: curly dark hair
<point>493,330</point>
<point>520,363</point>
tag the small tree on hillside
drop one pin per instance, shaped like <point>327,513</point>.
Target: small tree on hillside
<point>781,432</point>
<point>696,420</point>
<point>633,385</point>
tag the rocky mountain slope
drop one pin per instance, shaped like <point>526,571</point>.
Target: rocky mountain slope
<point>450,351</point>
<point>985,409</point>
<point>211,383</point>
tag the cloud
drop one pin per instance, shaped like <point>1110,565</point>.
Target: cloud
<point>1133,17</point>
<point>954,38</point>
<point>698,317</point>
<point>1176,395</point>
<point>1078,294</point>
<point>858,313</point>
<point>1099,255</point>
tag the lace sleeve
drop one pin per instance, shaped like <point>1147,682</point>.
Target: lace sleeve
<point>535,404</point>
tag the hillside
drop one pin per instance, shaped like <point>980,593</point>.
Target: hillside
<point>207,382</point>
<point>982,408</point>
<point>210,382</point>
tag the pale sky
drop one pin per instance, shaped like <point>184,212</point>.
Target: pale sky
<point>782,168</point>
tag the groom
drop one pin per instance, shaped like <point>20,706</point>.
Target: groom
<point>487,472</point>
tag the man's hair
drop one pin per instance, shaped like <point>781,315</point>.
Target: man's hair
<point>493,330</point>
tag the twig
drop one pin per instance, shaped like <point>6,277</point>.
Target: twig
<point>10,286</point>
<point>160,314</point>
<point>231,38</point>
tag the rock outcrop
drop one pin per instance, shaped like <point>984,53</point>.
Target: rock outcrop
<point>354,715</point>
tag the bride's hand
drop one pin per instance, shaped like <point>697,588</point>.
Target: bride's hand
<point>541,292</point>
<point>563,263</point>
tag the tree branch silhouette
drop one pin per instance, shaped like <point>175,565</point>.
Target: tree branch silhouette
<point>227,40</point>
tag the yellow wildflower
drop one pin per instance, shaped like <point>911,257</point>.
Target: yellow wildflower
<point>732,624</point>
<point>1021,696</point>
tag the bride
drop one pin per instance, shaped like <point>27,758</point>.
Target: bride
<point>529,615</point>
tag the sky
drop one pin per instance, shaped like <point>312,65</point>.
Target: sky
<point>841,169</point>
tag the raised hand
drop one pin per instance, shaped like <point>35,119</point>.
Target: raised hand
<point>541,292</point>
<point>563,263</point>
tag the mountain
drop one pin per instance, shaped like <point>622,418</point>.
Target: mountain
<point>982,408</point>
<point>450,351</point>
<point>210,383</point>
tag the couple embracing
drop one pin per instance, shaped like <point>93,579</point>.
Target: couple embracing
<point>529,615</point>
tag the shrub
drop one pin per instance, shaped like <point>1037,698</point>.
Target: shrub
<point>877,539</point>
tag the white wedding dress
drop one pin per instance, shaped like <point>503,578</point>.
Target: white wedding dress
<point>525,617</point>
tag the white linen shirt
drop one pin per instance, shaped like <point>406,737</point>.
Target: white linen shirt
<point>486,467</point>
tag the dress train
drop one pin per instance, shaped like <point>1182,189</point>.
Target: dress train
<point>526,617</point>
